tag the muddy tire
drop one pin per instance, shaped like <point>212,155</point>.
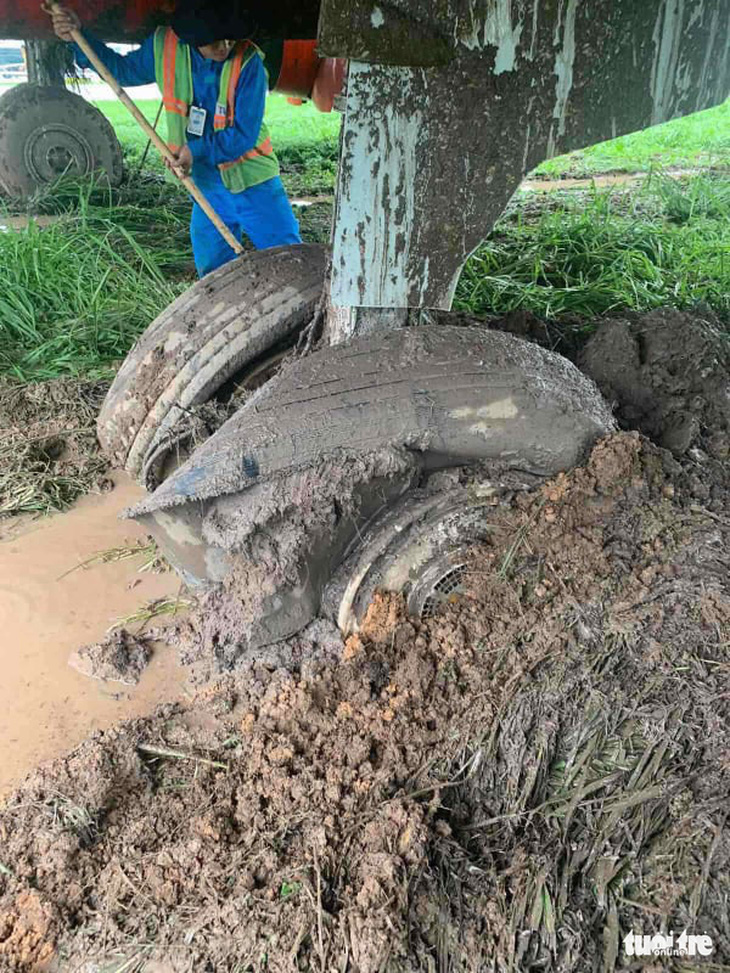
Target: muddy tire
<point>46,133</point>
<point>287,490</point>
<point>451,395</point>
<point>221,328</point>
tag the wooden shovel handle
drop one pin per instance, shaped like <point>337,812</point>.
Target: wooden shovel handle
<point>159,144</point>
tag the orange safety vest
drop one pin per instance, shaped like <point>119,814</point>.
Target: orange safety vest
<point>174,73</point>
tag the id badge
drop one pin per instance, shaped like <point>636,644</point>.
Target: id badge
<point>196,120</point>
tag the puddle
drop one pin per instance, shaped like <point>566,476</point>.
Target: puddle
<point>8,223</point>
<point>551,185</point>
<point>47,708</point>
<point>547,185</point>
<point>600,182</point>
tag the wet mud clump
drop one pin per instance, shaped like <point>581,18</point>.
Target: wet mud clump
<point>668,373</point>
<point>515,783</point>
<point>120,657</point>
<point>246,617</point>
<point>49,455</point>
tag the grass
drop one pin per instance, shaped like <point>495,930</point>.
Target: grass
<point>153,560</point>
<point>306,143</point>
<point>696,140</point>
<point>75,295</point>
<point>155,210</point>
<point>588,254</point>
<point>49,454</point>
<point>158,608</point>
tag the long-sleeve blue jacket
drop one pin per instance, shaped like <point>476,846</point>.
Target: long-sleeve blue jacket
<point>212,148</point>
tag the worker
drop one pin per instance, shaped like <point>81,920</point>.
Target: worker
<point>214,93</point>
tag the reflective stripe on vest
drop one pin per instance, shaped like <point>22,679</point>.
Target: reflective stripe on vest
<point>243,52</point>
<point>172,103</point>
<point>265,149</point>
<point>174,74</point>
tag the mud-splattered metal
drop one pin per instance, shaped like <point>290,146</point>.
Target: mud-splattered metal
<point>450,104</point>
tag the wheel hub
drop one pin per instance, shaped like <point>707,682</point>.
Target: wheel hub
<point>419,547</point>
<point>443,585</point>
<point>55,150</point>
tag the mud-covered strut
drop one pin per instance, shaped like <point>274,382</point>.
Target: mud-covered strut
<point>452,102</point>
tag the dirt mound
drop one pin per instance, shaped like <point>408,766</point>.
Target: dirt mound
<point>515,784</point>
<point>49,455</point>
<point>669,374</point>
<point>120,657</point>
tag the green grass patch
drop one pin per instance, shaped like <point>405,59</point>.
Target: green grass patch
<point>698,140</point>
<point>153,208</point>
<point>75,295</point>
<point>129,133</point>
<point>306,142</point>
<point>589,254</point>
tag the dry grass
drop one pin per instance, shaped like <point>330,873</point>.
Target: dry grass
<point>157,608</point>
<point>49,455</point>
<point>153,561</point>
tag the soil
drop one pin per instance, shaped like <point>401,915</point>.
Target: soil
<point>55,597</point>
<point>49,455</point>
<point>514,784</point>
<point>601,181</point>
<point>668,374</point>
<point>119,657</point>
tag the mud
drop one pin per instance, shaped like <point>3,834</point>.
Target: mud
<point>514,784</point>
<point>50,604</point>
<point>601,181</point>
<point>670,380</point>
<point>119,657</point>
<point>327,404</point>
<point>668,374</point>
<point>49,455</point>
<point>325,433</point>
<point>268,531</point>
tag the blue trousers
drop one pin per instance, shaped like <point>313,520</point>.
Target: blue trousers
<point>262,212</point>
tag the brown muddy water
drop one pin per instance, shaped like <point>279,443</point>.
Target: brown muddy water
<point>46,708</point>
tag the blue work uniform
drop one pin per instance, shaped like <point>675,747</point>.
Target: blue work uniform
<point>262,212</point>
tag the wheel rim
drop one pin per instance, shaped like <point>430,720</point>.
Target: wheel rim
<point>421,545</point>
<point>418,547</point>
<point>54,150</point>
